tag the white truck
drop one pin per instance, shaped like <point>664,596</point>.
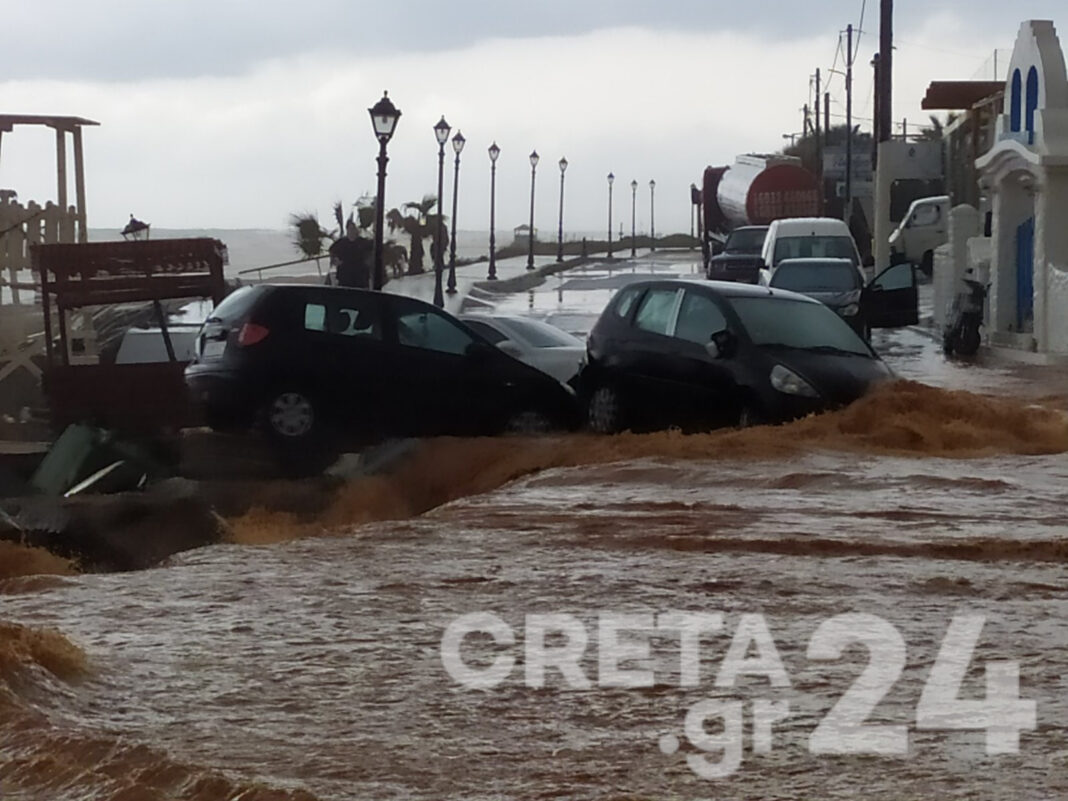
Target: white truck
<point>924,227</point>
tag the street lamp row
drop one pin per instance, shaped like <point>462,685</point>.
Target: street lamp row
<point>384,117</point>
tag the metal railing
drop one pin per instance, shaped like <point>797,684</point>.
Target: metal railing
<point>259,270</point>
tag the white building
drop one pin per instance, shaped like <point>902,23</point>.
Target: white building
<point>1025,177</point>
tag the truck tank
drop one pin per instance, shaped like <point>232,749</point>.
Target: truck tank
<point>756,190</point>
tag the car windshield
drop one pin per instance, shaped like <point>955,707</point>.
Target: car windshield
<point>818,247</point>
<point>746,240</point>
<point>816,276</point>
<point>542,335</point>
<point>801,324</point>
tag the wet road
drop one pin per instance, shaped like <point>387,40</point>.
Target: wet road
<point>837,552</point>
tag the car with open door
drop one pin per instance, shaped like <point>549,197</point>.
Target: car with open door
<point>701,355</point>
<point>320,368</point>
<point>890,300</point>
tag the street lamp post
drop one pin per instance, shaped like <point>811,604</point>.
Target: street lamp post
<point>494,151</point>
<point>560,232</point>
<point>384,116</point>
<point>633,207</point>
<point>530,238</point>
<point>652,229</point>
<point>457,145</point>
<point>441,133</point>
<point>611,178</point>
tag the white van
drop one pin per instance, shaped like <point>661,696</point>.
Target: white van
<point>923,229</point>
<point>808,238</point>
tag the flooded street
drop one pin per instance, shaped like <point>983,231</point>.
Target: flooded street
<point>647,616</point>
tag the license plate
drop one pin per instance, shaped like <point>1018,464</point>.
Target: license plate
<point>213,349</point>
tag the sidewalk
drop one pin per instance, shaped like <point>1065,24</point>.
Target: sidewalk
<point>422,286</point>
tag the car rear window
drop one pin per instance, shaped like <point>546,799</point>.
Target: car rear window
<point>746,241</point>
<point>237,304</point>
<point>815,247</point>
<point>655,312</point>
<point>818,276</point>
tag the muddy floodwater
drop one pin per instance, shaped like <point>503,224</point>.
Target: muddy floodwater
<point>880,599</point>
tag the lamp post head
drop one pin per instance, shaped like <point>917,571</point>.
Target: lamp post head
<point>441,131</point>
<point>652,185</point>
<point>384,116</point>
<point>634,186</point>
<point>611,178</point>
<point>534,159</point>
<point>563,165</point>
<point>494,151</point>
<point>458,142</point>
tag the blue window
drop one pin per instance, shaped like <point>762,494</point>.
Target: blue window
<point>1032,102</point>
<point>1014,102</point>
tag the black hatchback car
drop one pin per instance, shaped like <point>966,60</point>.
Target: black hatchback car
<point>699,355</point>
<point>315,365</point>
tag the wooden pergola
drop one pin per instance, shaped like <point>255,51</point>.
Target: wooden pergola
<point>62,126</point>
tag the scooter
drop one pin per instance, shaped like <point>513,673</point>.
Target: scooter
<point>961,334</point>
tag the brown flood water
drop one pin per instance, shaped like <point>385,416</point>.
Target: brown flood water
<point>303,661</point>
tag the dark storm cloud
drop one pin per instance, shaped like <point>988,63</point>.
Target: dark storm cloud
<point>117,40</point>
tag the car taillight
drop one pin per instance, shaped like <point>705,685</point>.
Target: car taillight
<point>251,333</point>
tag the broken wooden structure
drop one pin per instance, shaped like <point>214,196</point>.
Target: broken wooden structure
<point>141,398</point>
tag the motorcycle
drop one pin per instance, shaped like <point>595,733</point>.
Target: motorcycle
<point>961,334</point>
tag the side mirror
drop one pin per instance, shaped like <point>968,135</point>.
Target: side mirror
<point>509,347</point>
<point>722,345</point>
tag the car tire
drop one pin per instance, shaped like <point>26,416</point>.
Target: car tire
<point>292,421</point>
<point>604,412</point>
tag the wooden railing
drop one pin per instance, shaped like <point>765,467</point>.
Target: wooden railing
<point>22,227</point>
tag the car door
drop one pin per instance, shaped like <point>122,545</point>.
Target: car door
<point>707,388</point>
<point>654,369</point>
<point>344,348</point>
<point>442,384</point>
<point>891,300</point>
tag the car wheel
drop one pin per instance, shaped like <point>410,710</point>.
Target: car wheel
<point>605,411</point>
<point>528,422</point>
<point>291,416</point>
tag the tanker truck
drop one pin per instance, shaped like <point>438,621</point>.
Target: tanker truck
<point>741,200</point>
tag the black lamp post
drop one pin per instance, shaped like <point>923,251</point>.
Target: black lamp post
<point>652,229</point>
<point>441,133</point>
<point>611,178</point>
<point>633,206</point>
<point>457,145</point>
<point>494,151</point>
<point>560,232</point>
<point>533,168</point>
<point>384,116</point>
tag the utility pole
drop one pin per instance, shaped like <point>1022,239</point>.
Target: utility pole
<point>885,74</point>
<point>876,124</point>
<point>885,167</point>
<point>819,140</point>
<point>847,207</point>
<point>827,136</point>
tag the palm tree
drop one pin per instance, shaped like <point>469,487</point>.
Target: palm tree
<point>308,235</point>
<point>417,222</point>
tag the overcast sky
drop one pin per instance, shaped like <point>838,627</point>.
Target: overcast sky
<point>224,114</point>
